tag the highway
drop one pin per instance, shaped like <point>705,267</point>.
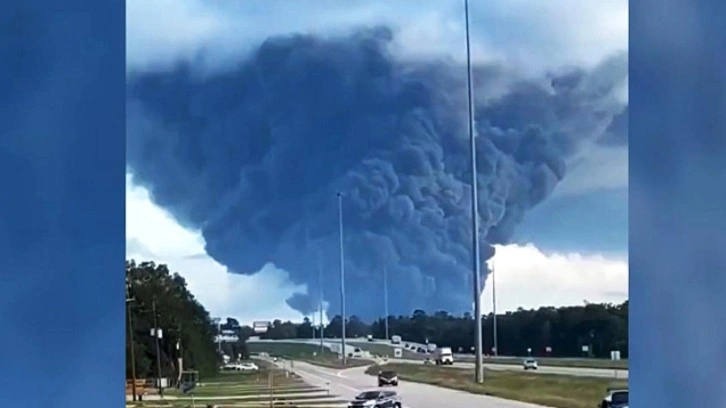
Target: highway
<point>349,382</point>
<point>543,369</point>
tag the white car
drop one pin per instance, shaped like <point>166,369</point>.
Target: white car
<point>241,367</point>
<point>530,364</point>
<point>248,367</point>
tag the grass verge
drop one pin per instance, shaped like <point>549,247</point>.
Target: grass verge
<point>308,353</point>
<point>387,350</point>
<point>560,362</point>
<point>556,391</point>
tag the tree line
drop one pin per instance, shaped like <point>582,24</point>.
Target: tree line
<point>547,331</point>
<point>189,332</point>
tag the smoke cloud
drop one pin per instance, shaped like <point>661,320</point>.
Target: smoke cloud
<point>254,156</point>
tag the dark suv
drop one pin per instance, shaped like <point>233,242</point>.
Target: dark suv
<point>387,378</point>
<point>376,399</point>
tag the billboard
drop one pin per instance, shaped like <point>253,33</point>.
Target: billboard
<point>260,326</point>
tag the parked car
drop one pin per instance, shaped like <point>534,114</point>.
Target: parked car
<point>240,367</point>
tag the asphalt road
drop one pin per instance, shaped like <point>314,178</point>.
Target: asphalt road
<point>573,371</point>
<point>348,383</point>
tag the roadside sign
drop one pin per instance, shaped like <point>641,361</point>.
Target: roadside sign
<point>585,349</point>
<point>397,352</point>
<point>260,326</point>
<point>156,332</point>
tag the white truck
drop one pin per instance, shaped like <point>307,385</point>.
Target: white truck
<point>395,339</point>
<point>444,356</point>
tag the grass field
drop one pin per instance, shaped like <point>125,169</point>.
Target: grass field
<point>383,349</point>
<point>251,390</point>
<point>560,362</point>
<point>304,352</point>
<point>545,389</point>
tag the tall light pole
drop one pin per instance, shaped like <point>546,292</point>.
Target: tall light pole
<point>494,311</point>
<point>479,369</point>
<point>385,297</point>
<point>342,279</point>
<point>320,292</point>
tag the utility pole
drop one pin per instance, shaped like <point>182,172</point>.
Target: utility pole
<point>385,297</point>
<point>342,278</point>
<point>479,367</point>
<point>157,335</point>
<point>219,336</point>
<point>129,299</point>
<point>179,353</point>
<point>494,311</point>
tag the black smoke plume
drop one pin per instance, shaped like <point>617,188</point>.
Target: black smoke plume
<point>253,157</point>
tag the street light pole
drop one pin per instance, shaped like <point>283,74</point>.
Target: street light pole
<point>342,278</point>
<point>494,312</point>
<point>385,297</point>
<point>479,369</point>
<point>320,292</point>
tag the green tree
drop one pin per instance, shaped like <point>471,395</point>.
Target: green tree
<point>182,319</point>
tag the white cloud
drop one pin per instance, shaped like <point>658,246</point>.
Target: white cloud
<point>526,277</point>
<point>529,278</point>
<point>532,36</point>
<point>153,234</point>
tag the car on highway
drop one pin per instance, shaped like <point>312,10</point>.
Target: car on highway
<point>376,399</point>
<point>530,364</point>
<point>444,356</point>
<point>615,398</point>
<point>387,377</point>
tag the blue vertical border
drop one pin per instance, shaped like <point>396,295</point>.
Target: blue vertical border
<point>677,203</point>
<point>62,222</point>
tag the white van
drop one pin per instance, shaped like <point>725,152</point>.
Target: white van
<point>444,356</point>
<point>396,339</point>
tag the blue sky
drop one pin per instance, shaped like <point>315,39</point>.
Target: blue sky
<point>580,231</point>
